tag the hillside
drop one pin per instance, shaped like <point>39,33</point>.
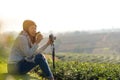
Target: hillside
<point>89,42</point>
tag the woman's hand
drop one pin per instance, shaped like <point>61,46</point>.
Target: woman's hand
<point>49,42</point>
<point>38,37</point>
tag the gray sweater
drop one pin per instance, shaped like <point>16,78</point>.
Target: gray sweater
<point>21,49</point>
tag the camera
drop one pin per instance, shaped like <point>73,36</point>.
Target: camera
<point>52,37</point>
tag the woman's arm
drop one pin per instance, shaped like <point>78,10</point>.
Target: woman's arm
<point>41,49</point>
<point>25,48</point>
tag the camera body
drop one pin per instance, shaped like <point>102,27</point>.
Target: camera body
<point>52,37</point>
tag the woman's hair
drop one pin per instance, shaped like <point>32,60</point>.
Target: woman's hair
<point>27,24</point>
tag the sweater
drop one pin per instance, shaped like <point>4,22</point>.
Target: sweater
<point>22,50</point>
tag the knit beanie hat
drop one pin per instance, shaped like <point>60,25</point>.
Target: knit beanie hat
<point>27,24</point>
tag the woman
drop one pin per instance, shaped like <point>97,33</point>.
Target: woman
<point>25,53</point>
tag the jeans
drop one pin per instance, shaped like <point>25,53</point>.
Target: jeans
<point>24,66</point>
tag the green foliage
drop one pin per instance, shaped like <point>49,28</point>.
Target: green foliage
<point>74,70</point>
<point>86,67</point>
<point>3,68</point>
<point>6,42</point>
<point>96,58</point>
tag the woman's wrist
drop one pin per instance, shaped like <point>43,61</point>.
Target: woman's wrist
<point>36,42</point>
<point>47,43</point>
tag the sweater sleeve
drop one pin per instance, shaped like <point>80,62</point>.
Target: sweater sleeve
<point>24,46</point>
<point>41,49</point>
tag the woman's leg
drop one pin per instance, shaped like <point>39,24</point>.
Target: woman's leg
<point>41,61</point>
<point>21,67</point>
<point>25,66</point>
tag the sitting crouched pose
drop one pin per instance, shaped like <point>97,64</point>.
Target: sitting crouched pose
<point>26,54</point>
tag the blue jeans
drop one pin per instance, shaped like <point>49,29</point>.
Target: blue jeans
<point>24,66</point>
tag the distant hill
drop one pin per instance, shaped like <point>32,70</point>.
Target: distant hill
<point>101,41</point>
<point>104,41</point>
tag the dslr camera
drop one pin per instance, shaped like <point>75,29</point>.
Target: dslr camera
<point>52,37</point>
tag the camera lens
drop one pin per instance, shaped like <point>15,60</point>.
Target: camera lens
<point>51,37</point>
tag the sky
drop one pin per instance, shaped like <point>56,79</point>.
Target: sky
<point>60,15</point>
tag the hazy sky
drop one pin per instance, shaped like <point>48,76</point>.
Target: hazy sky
<point>60,15</point>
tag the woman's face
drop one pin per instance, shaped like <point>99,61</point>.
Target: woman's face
<point>32,30</point>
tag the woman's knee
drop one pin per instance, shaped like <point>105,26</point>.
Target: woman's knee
<point>40,57</point>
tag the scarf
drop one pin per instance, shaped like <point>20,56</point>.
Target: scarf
<point>28,58</point>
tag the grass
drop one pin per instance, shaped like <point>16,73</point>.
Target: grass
<point>3,68</point>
